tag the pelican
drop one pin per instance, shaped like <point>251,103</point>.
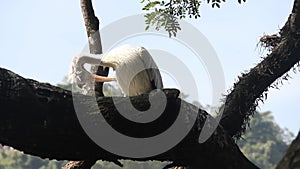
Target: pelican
<point>136,71</point>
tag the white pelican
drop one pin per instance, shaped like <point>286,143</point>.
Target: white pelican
<point>136,71</point>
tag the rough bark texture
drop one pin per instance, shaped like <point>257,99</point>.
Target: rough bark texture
<point>40,119</point>
<point>241,103</point>
<point>85,164</point>
<point>95,46</point>
<point>291,159</point>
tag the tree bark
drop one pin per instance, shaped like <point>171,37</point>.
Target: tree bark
<point>241,103</point>
<point>95,45</point>
<point>40,119</point>
<point>50,128</point>
<point>85,164</point>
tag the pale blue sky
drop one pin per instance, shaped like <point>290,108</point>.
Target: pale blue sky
<point>40,38</point>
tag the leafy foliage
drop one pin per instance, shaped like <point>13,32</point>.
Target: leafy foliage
<point>265,142</point>
<point>130,165</point>
<point>161,19</point>
<point>166,14</point>
<point>112,90</point>
<point>13,159</point>
<point>65,86</point>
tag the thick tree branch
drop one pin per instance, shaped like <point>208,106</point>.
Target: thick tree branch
<point>40,119</point>
<point>242,101</point>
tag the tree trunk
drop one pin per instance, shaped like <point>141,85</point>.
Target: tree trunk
<point>50,128</point>
<point>241,103</point>
<point>93,33</point>
<point>95,46</point>
<point>40,119</point>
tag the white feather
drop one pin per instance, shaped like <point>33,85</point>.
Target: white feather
<point>80,76</point>
<point>135,68</point>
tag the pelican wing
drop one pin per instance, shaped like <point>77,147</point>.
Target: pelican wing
<point>152,69</point>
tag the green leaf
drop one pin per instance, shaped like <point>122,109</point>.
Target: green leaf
<point>197,4</point>
<point>150,5</point>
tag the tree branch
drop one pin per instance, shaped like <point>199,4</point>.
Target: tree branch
<point>241,103</point>
<point>95,45</point>
<point>50,128</point>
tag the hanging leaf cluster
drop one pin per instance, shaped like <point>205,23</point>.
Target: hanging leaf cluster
<point>161,13</point>
<point>160,19</point>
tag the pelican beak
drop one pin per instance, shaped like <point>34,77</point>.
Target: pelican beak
<point>103,78</point>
